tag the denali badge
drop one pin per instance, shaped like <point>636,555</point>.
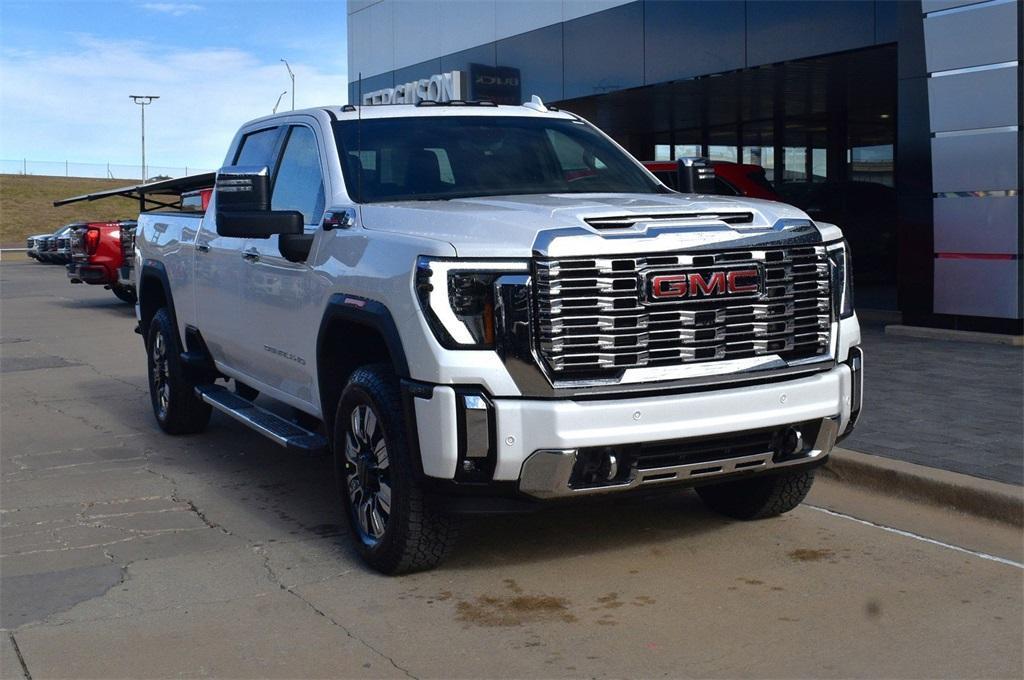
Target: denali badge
<point>701,285</point>
<point>286,355</point>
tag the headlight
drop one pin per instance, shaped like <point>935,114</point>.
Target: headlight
<point>457,297</point>
<point>842,280</point>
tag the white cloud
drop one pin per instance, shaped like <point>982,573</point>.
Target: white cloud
<point>175,9</point>
<point>71,102</point>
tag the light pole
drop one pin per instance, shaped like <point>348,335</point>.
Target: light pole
<point>143,100</point>
<point>279,100</point>
<point>292,76</point>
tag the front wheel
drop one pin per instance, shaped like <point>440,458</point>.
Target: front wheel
<point>177,408</point>
<point>396,527</point>
<point>758,497</point>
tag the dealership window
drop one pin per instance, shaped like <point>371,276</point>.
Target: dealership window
<point>763,156</point>
<point>819,165</point>
<point>758,139</point>
<point>686,150</point>
<point>671,152</point>
<point>795,164</point>
<point>718,152</point>
<point>872,164</point>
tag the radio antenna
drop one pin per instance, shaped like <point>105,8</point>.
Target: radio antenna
<point>359,139</point>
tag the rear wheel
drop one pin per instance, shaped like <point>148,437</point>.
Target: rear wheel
<point>758,497</point>
<point>124,294</point>
<point>396,527</point>
<point>177,408</point>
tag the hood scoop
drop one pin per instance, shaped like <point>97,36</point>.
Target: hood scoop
<point>627,221</point>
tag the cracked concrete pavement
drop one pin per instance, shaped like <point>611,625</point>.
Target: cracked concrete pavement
<point>128,553</point>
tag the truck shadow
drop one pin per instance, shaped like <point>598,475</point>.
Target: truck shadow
<point>113,305</point>
<point>633,524</point>
<point>266,494</point>
<point>299,494</point>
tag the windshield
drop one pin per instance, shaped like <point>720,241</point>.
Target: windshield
<point>437,158</point>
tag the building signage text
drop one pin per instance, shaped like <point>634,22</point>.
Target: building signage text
<point>442,87</point>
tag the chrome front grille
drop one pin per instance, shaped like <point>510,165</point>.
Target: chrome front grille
<point>595,315</point>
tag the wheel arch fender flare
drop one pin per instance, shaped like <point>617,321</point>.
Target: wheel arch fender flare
<point>154,271</point>
<point>368,314</point>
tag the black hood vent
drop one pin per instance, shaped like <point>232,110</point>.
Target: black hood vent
<point>626,221</point>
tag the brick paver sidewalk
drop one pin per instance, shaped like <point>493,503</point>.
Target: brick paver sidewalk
<point>952,405</point>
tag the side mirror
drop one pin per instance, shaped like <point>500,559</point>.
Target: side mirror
<point>696,176</point>
<point>243,205</point>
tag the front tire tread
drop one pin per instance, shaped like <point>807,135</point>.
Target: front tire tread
<point>418,535</point>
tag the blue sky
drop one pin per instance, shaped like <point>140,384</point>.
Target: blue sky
<point>67,68</point>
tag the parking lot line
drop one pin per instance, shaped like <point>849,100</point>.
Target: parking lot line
<point>917,537</point>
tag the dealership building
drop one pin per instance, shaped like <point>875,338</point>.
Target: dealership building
<point>899,121</point>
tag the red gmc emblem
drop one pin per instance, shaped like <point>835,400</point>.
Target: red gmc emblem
<point>703,285</point>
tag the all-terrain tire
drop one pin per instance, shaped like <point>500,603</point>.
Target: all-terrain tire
<point>177,408</point>
<point>416,535</point>
<point>758,497</point>
<point>124,294</point>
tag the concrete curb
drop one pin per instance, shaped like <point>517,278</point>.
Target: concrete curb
<point>954,335</point>
<point>918,483</point>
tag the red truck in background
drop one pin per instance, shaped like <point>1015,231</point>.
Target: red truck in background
<point>103,253</point>
<point>731,179</point>
<point>97,256</point>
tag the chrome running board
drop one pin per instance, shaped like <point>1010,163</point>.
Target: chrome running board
<point>275,428</point>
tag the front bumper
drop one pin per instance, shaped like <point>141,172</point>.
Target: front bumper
<point>557,473</point>
<point>536,442</point>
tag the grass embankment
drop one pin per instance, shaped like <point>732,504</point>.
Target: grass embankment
<point>26,204</point>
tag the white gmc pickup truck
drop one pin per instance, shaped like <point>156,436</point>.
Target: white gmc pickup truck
<point>489,308</point>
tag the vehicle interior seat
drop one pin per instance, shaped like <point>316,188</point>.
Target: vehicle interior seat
<point>423,171</point>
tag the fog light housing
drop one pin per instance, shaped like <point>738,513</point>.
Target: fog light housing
<point>477,437</point>
<point>600,466</point>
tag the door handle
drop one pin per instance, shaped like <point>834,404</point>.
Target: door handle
<point>251,255</point>
<point>202,247</point>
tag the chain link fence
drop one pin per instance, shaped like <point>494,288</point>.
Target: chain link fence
<point>99,170</point>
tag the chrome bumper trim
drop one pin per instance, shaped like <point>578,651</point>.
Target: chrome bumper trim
<point>855,361</point>
<point>546,473</point>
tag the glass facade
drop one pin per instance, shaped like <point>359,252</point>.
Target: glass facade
<point>600,53</point>
<point>835,101</point>
<point>538,56</point>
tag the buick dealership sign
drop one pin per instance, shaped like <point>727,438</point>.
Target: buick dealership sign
<point>443,87</point>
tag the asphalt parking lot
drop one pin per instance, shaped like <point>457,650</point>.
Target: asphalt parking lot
<point>128,553</point>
